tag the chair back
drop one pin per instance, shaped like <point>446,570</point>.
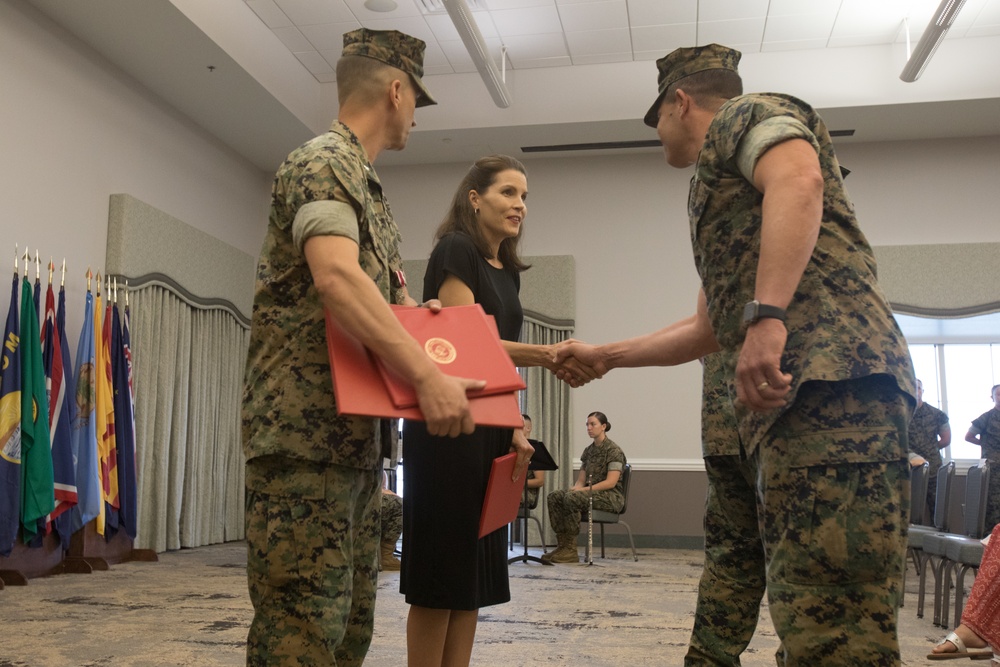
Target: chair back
<point>976,487</point>
<point>626,480</point>
<point>942,503</point>
<point>918,493</point>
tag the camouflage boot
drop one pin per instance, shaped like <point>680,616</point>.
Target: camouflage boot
<point>388,562</point>
<point>566,551</point>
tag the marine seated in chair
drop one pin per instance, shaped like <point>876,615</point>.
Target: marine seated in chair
<point>535,478</point>
<point>601,475</point>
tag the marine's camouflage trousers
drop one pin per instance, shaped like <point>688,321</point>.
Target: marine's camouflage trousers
<point>392,517</point>
<point>312,541</point>
<point>567,508</point>
<point>834,489</point>
<point>733,582</point>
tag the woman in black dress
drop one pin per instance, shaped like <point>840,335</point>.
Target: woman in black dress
<point>448,573</point>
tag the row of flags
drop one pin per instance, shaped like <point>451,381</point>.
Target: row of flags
<point>67,433</point>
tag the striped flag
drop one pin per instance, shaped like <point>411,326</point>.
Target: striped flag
<point>37,497</point>
<point>88,476</point>
<point>105,423</point>
<point>10,428</point>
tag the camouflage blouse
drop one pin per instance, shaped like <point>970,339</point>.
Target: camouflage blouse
<point>288,402</point>
<point>598,459</point>
<point>924,426</point>
<point>840,325</point>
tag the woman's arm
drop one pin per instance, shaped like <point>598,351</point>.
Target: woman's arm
<point>609,482</point>
<point>538,481</point>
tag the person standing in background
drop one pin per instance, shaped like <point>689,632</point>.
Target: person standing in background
<point>985,432</point>
<point>929,433</point>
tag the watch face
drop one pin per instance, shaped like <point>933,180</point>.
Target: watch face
<point>750,312</point>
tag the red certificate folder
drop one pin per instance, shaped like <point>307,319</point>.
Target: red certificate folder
<point>463,341</point>
<point>502,495</point>
<point>360,390</point>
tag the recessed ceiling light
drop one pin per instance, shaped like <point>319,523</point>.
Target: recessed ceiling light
<point>381,5</point>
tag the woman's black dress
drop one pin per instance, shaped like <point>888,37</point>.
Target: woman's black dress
<point>445,565</point>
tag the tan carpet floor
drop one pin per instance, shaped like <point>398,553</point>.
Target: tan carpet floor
<point>192,608</point>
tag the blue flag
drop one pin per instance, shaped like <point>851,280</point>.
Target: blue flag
<point>10,428</point>
<point>37,496</point>
<point>88,474</point>
<point>124,431</point>
<point>61,395</point>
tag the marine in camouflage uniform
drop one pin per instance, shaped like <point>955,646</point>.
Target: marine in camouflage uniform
<point>985,432</point>
<point>832,471</point>
<point>567,507</point>
<point>732,583</point>
<point>392,526</point>
<point>312,476</point>
<point>927,424</point>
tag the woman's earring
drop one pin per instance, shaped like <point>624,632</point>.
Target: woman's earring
<point>477,211</point>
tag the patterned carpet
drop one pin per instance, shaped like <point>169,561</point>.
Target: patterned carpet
<point>191,608</point>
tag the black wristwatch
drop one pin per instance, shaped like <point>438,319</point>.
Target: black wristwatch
<point>755,310</point>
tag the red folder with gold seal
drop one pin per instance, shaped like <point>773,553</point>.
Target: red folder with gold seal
<point>503,495</point>
<point>361,389</point>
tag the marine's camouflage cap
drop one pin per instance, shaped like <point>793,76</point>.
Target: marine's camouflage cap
<point>686,61</point>
<point>393,48</point>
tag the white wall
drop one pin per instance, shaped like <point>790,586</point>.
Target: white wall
<point>624,219</point>
<point>74,130</point>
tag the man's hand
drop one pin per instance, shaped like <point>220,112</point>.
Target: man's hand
<point>444,404</point>
<point>524,451</point>
<point>760,384</point>
<point>577,363</point>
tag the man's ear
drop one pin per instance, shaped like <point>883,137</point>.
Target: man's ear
<point>396,93</point>
<point>684,102</point>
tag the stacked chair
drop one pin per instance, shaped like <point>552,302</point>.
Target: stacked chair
<point>918,501</point>
<point>952,553</point>
<point>917,533</point>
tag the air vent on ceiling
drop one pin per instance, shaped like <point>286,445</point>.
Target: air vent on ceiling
<point>594,146</point>
<point>437,6</point>
<point>841,133</point>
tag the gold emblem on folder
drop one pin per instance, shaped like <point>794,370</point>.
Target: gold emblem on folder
<point>440,350</point>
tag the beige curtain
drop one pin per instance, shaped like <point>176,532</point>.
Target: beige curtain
<point>546,401</point>
<point>188,376</point>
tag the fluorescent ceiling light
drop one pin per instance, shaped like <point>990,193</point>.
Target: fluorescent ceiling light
<point>943,17</point>
<point>467,29</point>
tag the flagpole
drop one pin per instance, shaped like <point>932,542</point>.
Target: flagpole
<point>62,279</point>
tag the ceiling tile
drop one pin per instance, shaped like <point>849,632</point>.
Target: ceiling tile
<point>825,8</point>
<point>308,12</point>
<point>593,42</point>
<point>313,61</point>
<point>730,33</point>
<point>663,38</point>
<point>411,25</point>
<point>529,21</point>
<point>326,77</point>
<point>807,27</point>
<point>793,45</point>
<point>403,8</point>
<point>269,13</point>
<point>727,10</point>
<point>602,58</point>
<point>444,29</point>
<point>989,14</point>
<point>495,5</point>
<point>293,39</point>
<point>521,48</point>
<point>459,58</point>
<point>837,41</point>
<point>983,31</point>
<point>564,61</point>
<point>594,16</point>
<point>658,12</point>
<point>328,35</point>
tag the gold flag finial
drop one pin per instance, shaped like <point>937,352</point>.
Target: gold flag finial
<point>98,283</point>
<point>116,291</point>
<point>52,269</point>
<point>16,257</point>
<point>90,277</point>
<point>126,294</point>
<point>27,257</point>
<point>38,266</point>
<point>62,280</point>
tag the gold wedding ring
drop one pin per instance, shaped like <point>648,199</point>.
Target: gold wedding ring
<point>763,385</point>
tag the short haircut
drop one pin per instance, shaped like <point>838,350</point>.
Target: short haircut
<point>709,88</point>
<point>364,77</point>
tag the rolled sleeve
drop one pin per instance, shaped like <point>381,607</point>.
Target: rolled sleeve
<point>765,135</point>
<point>324,218</point>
